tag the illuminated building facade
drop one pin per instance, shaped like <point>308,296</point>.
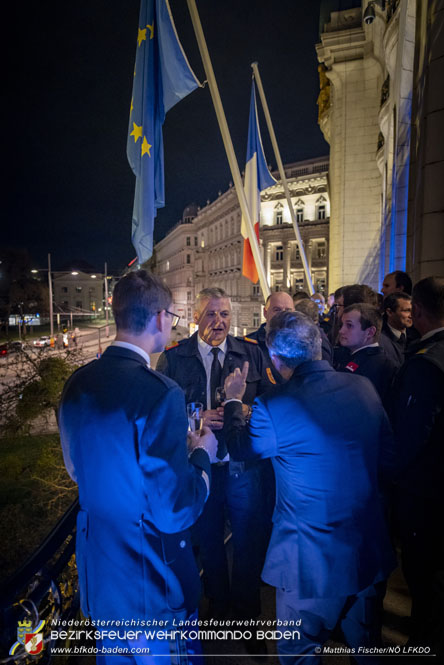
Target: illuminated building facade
<point>205,247</point>
<point>381,109</point>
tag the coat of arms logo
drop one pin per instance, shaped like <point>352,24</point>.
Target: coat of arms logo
<point>31,638</point>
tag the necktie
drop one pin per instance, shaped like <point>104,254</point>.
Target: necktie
<point>402,339</point>
<point>215,376</point>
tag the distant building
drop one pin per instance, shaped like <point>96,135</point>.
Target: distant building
<point>205,247</point>
<point>78,293</point>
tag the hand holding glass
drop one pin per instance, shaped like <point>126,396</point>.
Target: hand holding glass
<point>195,416</point>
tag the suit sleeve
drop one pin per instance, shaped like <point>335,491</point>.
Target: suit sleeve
<point>162,365</point>
<point>175,487</point>
<point>257,440</point>
<point>389,453</point>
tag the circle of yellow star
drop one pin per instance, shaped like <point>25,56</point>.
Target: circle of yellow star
<point>146,147</point>
<point>137,132</point>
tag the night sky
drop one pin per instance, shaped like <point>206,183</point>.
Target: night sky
<point>69,188</point>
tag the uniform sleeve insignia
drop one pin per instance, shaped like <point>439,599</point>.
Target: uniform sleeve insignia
<point>249,339</point>
<point>270,376</point>
<point>422,351</point>
<point>171,346</point>
<point>351,366</point>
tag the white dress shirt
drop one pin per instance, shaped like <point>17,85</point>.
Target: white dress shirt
<point>207,359</point>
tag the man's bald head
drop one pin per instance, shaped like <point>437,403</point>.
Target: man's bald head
<point>280,301</point>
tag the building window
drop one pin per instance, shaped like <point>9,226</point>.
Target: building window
<point>195,241</point>
<point>79,304</point>
<point>320,284</point>
<point>188,258</point>
<point>188,241</point>
<point>256,319</point>
<point>189,296</point>
<point>256,290</point>
<point>202,241</point>
<point>279,217</point>
<point>64,289</point>
<point>297,253</point>
<point>300,215</point>
<point>299,284</point>
<point>321,212</point>
<point>279,256</point>
<point>92,291</point>
<point>189,312</point>
<point>78,289</point>
<point>321,250</point>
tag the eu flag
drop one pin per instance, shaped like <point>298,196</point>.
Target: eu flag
<point>162,77</point>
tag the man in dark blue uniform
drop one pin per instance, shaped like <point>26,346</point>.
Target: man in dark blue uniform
<point>280,301</point>
<point>330,546</point>
<point>123,430</point>
<point>418,422</point>
<point>199,365</point>
<point>359,332</point>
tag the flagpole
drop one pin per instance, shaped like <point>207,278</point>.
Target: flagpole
<point>257,76</point>
<point>225,132</point>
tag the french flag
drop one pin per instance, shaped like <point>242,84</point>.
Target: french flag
<point>257,178</point>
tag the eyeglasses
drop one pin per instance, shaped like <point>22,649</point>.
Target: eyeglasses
<point>176,319</point>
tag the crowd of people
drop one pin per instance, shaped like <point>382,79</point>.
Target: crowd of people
<point>322,442</point>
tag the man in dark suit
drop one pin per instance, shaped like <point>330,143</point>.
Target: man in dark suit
<point>418,423</point>
<point>279,301</point>
<point>359,333</point>
<point>396,281</point>
<point>311,309</point>
<point>123,429</point>
<point>397,320</point>
<point>199,365</point>
<point>330,545</point>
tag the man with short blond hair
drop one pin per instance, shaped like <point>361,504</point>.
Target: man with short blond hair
<point>123,430</point>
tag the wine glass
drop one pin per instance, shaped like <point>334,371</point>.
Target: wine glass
<point>219,396</point>
<point>195,416</point>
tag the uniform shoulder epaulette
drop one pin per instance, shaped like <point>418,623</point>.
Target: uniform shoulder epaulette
<point>171,346</point>
<point>424,350</point>
<point>249,339</point>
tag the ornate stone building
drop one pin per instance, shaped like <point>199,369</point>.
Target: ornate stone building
<point>381,109</point>
<point>205,247</point>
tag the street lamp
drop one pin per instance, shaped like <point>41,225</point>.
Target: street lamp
<point>51,311</point>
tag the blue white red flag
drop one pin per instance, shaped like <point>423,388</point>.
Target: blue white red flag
<point>257,178</point>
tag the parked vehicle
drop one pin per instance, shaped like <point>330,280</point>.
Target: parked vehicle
<point>42,341</point>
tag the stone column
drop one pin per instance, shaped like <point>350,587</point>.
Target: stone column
<point>351,126</point>
<point>286,265</point>
<point>309,251</point>
<point>267,260</point>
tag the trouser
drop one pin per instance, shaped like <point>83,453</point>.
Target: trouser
<point>358,617</point>
<point>143,651</point>
<point>418,523</point>
<point>239,495</point>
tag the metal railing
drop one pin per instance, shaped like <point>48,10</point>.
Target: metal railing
<point>44,588</point>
